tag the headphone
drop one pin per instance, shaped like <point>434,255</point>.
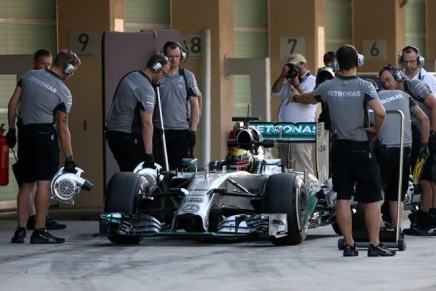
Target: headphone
<point>157,65</point>
<point>420,59</point>
<point>69,66</point>
<point>172,43</point>
<point>398,74</point>
<point>359,61</point>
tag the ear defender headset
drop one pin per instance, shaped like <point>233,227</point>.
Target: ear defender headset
<point>69,66</point>
<point>158,64</point>
<point>398,74</point>
<point>172,43</point>
<point>420,59</point>
<point>359,61</point>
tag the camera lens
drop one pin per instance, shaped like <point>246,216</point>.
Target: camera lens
<point>293,71</point>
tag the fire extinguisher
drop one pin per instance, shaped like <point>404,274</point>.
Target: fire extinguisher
<point>4,158</point>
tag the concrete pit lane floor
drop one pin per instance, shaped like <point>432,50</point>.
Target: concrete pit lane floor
<point>87,261</point>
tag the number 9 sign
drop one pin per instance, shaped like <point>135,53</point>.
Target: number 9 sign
<point>84,43</point>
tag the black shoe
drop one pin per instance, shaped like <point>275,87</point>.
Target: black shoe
<point>350,251</point>
<point>42,236</point>
<point>380,251</point>
<point>51,224</point>
<point>19,235</point>
<point>30,225</point>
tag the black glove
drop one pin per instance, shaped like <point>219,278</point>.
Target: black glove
<point>423,151</point>
<point>148,161</point>
<point>11,138</point>
<point>70,167</point>
<point>432,142</point>
<point>192,137</point>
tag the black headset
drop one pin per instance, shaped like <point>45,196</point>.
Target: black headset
<point>398,74</point>
<point>172,43</point>
<point>69,67</point>
<point>157,65</point>
<point>359,61</point>
<point>420,59</point>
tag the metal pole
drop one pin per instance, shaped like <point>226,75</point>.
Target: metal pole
<point>164,142</point>
<point>206,116</point>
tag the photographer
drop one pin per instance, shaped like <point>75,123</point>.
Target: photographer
<point>295,75</point>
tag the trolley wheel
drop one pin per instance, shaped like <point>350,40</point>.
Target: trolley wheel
<point>341,244</point>
<point>402,246</point>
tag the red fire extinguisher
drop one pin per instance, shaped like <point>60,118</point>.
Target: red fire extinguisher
<point>4,159</point>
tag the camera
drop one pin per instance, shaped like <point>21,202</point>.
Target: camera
<point>293,71</point>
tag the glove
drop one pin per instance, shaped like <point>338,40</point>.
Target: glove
<point>148,161</point>
<point>70,165</point>
<point>11,138</point>
<point>192,136</point>
<point>423,151</point>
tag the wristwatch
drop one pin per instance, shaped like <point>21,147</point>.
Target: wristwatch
<point>295,98</point>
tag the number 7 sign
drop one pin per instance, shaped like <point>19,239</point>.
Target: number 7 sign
<point>291,45</point>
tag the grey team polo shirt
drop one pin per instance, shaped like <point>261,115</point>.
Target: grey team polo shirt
<point>135,92</point>
<point>347,98</point>
<point>391,129</point>
<point>43,94</point>
<point>176,109</point>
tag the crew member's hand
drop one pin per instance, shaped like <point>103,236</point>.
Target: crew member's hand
<point>423,151</point>
<point>148,161</point>
<point>192,138</point>
<point>11,138</point>
<point>70,165</point>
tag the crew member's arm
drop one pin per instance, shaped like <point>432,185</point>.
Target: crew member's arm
<point>195,114</point>
<point>305,98</point>
<point>379,117</point>
<point>64,133</point>
<point>147,130</point>
<point>424,122</point>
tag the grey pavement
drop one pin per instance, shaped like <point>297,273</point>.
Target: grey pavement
<point>90,262</point>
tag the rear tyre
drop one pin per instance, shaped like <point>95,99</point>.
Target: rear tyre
<point>122,196</point>
<point>285,193</point>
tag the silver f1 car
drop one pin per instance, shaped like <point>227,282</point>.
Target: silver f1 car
<point>222,201</point>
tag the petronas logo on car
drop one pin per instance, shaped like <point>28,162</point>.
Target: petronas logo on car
<point>286,130</point>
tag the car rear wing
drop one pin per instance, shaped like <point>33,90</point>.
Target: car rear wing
<point>302,132</point>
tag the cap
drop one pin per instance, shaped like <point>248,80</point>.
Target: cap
<point>296,58</point>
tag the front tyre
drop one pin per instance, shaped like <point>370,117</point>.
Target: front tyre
<point>285,193</point>
<point>122,196</point>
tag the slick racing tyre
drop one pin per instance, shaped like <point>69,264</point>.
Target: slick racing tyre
<point>285,193</point>
<point>121,196</point>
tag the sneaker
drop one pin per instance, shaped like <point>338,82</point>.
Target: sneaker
<point>51,224</point>
<point>19,235</point>
<point>380,251</point>
<point>350,251</point>
<point>42,236</point>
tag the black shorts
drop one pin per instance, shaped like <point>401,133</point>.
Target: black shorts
<point>128,149</point>
<point>354,164</point>
<point>38,152</point>
<point>390,173</point>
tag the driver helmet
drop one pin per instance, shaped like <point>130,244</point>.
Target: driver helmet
<point>240,160</point>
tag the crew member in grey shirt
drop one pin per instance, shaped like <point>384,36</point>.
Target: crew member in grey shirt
<point>130,126</point>
<point>348,99</point>
<point>44,100</point>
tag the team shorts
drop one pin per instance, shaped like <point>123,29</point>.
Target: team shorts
<point>38,152</point>
<point>128,149</point>
<point>389,169</point>
<point>354,165</point>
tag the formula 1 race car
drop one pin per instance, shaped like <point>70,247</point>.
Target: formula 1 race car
<point>249,195</point>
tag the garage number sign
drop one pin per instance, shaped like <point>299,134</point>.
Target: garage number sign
<point>287,131</point>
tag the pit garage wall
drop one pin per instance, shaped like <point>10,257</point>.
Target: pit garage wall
<point>300,18</point>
